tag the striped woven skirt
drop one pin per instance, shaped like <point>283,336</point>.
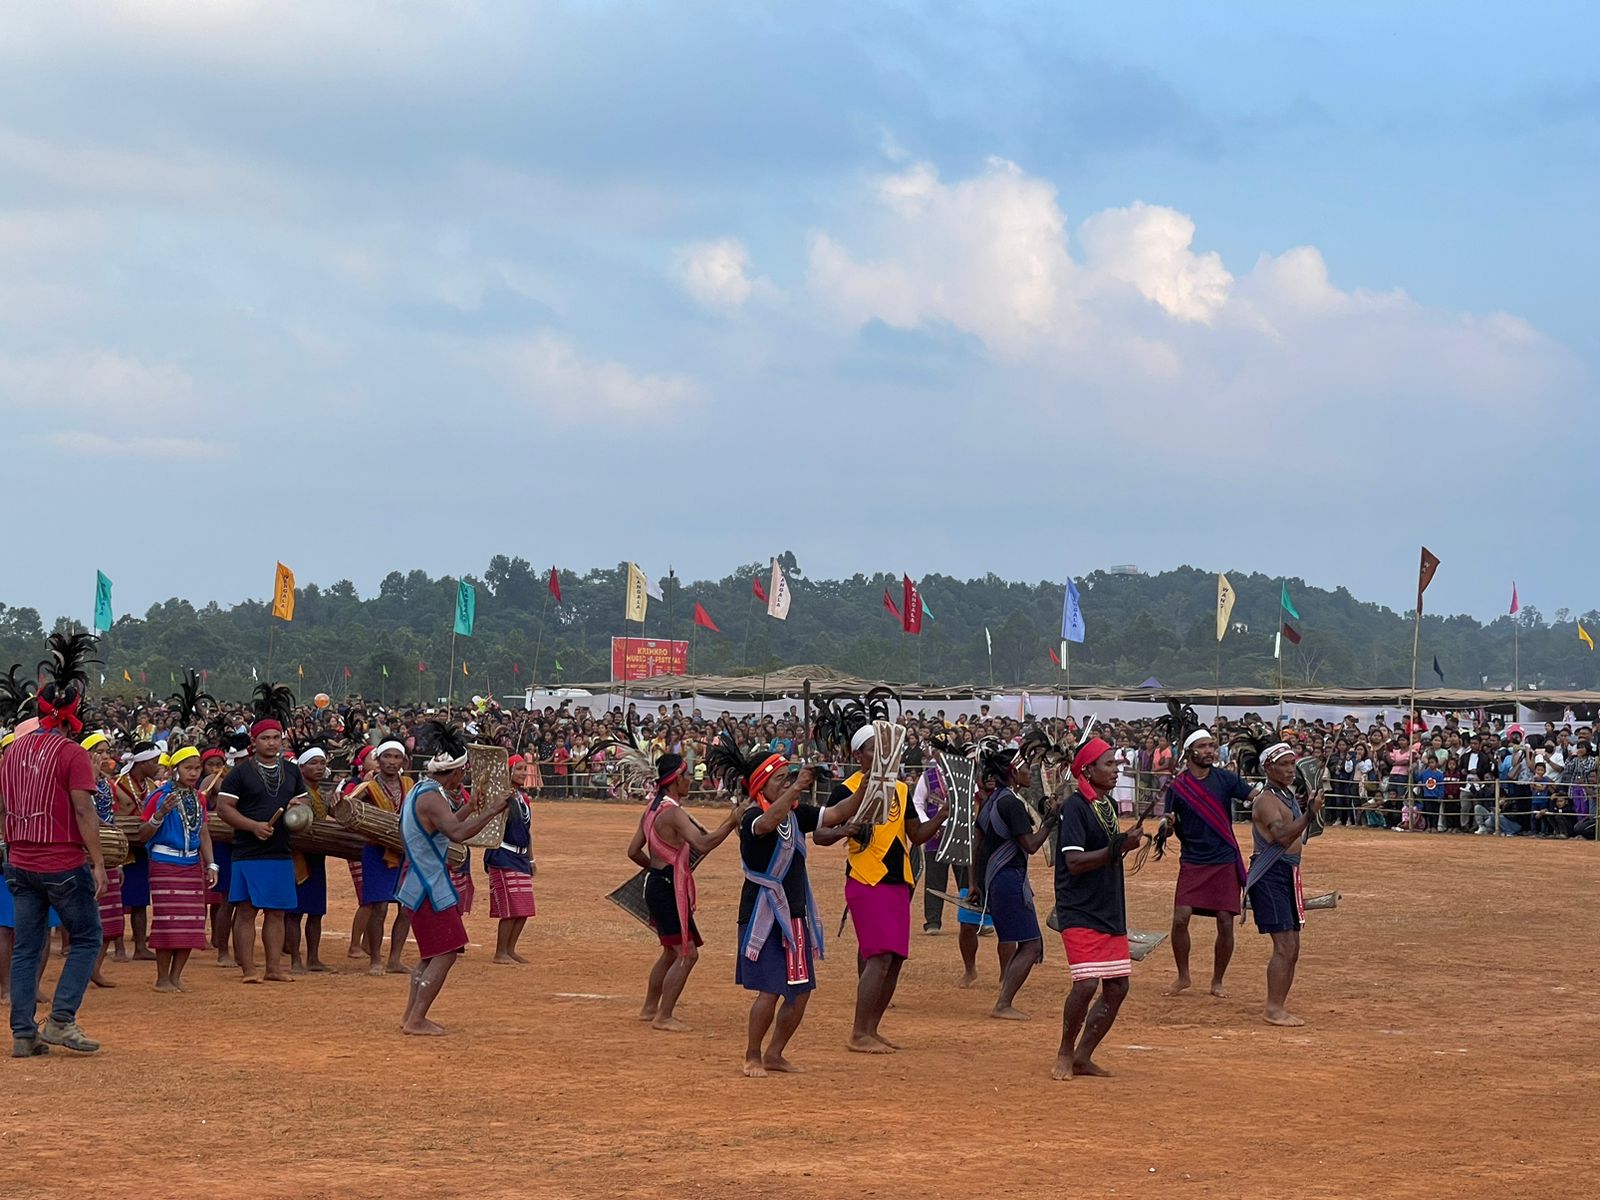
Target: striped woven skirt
<point>510,894</point>
<point>222,855</point>
<point>112,923</point>
<point>462,878</point>
<point>177,906</point>
<point>355,876</point>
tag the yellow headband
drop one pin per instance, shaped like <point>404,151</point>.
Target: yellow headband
<point>183,755</point>
<point>94,739</point>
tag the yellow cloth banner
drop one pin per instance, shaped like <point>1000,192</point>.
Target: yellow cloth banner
<point>1584,634</point>
<point>283,594</point>
<point>1224,604</point>
<point>638,595</point>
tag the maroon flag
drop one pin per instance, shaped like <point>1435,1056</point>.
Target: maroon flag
<point>421,666</point>
<point>889,605</point>
<point>347,672</point>
<point>1290,633</point>
<point>910,606</point>
<point>516,668</point>
<point>555,585</point>
<point>703,619</point>
<point>760,592</point>
<point>1514,605</point>
<point>1430,564</point>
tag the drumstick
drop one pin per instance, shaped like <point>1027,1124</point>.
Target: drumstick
<point>274,819</point>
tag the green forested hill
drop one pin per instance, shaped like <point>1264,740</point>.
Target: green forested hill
<point>1138,626</point>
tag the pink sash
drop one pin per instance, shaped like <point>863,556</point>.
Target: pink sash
<point>678,856</point>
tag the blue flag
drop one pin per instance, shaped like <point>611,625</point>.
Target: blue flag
<point>466,608</point>
<point>102,602</point>
<point>1072,615</point>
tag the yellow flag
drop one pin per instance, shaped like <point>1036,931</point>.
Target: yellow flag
<point>1224,604</point>
<point>126,678</point>
<point>301,670</point>
<point>283,594</point>
<point>1584,634</point>
<point>638,595</point>
<point>463,667</point>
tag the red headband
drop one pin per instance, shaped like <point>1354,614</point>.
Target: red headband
<point>208,755</point>
<point>1092,749</point>
<point>758,778</point>
<point>265,725</point>
<point>64,716</point>
<point>667,780</point>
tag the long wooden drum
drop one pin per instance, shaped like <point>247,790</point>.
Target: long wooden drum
<point>379,827</point>
<point>330,838</point>
<point>113,846</point>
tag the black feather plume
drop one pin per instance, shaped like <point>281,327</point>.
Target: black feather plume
<point>16,697</point>
<point>730,766</point>
<point>273,700</point>
<point>70,655</point>
<point>188,696</point>
<point>443,737</point>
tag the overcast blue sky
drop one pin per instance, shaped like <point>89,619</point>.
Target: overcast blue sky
<point>1029,289</point>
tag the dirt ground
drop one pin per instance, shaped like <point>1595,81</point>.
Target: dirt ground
<point>1449,1051</point>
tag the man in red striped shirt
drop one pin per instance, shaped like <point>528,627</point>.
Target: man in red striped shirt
<point>53,860</point>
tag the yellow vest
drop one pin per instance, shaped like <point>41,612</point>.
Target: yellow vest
<point>866,864</point>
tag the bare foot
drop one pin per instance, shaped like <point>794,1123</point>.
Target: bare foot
<point>319,968</point>
<point>647,1013</point>
<point>1220,992</point>
<point>878,1037</point>
<point>376,971</point>
<point>166,986</point>
<point>515,957</point>
<point>278,977</point>
<point>226,960</point>
<point>121,956</point>
<point>396,968</point>
<point>669,1025</point>
<point>298,969</point>
<point>753,1069</point>
<point>507,960</point>
<point>869,1045</point>
<point>1181,984</point>
<point>1010,1014</point>
<point>780,1064</point>
<point>355,952</point>
<point>423,1028</point>
<point>144,955</point>
<point>1283,1018</point>
<point>251,979</point>
<point>1089,1067</point>
<point>967,980</point>
<point>101,981</point>
<point>1062,1069</point>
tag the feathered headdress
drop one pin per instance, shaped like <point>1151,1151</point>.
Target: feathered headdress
<point>839,718</point>
<point>66,680</point>
<point>1180,721</point>
<point>738,771</point>
<point>994,758</point>
<point>628,761</point>
<point>188,696</point>
<point>273,704</point>
<point>16,697</point>
<point>449,746</point>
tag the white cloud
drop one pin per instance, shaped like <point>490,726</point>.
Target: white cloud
<point>100,446</point>
<point>546,371</point>
<point>1147,246</point>
<point>714,273</point>
<point>100,384</point>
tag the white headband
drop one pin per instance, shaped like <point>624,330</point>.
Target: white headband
<point>1275,751</point>
<point>862,736</point>
<point>391,745</point>
<point>445,761</point>
<point>1199,735</point>
<point>145,755</point>
<point>311,755</point>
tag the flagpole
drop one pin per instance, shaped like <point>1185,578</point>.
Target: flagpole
<point>1283,587</point>
<point>450,690</point>
<point>420,674</point>
<point>1217,716</point>
<point>1066,671</point>
<point>1516,663</point>
<point>538,644</point>
<point>1416,642</point>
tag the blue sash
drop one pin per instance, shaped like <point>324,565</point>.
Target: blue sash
<point>1008,850</point>
<point>772,903</point>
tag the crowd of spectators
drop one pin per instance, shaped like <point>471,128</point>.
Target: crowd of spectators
<point>1440,776</point>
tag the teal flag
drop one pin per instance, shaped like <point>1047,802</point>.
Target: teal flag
<point>1287,606</point>
<point>102,602</point>
<point>466,608</point>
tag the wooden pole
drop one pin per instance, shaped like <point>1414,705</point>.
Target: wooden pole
<point>1217,716</point>
<point>450,689</point>
<point>1411,719</point>
<point>1516,664</point>
<point>1066,671</point>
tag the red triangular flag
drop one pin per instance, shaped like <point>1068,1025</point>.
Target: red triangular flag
<point>760,592</point>
<point>421,666</point>
<point>1054,657</point>
<point>516,668</point>
<point>703,619</point>
<point>911,607</point>
<point>888,603</point>
<point>555,585</point>
<point>347,672</point>
<point>1514,604</point>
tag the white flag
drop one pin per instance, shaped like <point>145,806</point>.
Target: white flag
<point>652,589</point>
<point>778,594</point>
<point>1063,651</point>
<point>987,640</point>
<point>253,674</point>
<point>1277,644</point>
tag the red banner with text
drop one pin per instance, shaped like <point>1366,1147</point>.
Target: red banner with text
<point>641,658</point>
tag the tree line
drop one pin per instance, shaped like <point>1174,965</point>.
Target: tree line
<point>1138,626</point>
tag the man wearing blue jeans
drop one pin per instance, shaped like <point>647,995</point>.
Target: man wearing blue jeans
<point>53,860</point>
